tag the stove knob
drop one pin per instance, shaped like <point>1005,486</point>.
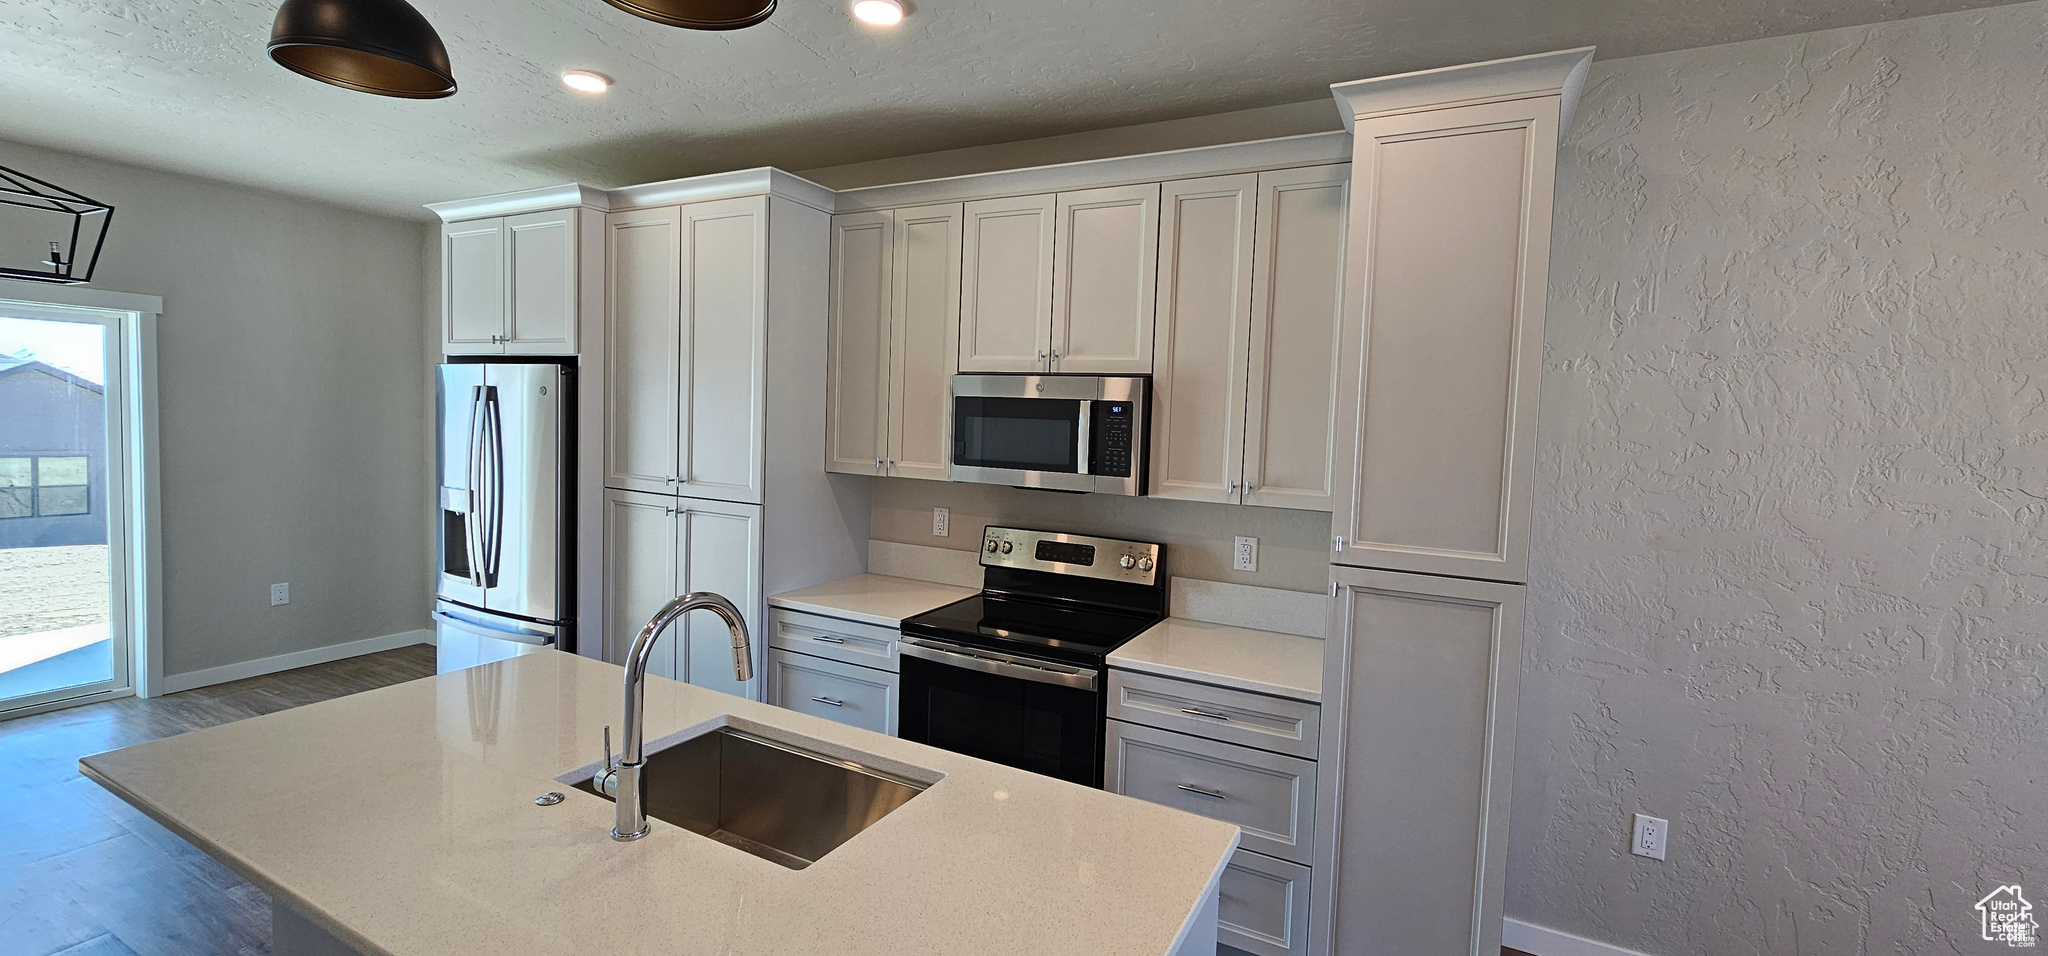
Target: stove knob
<point>991,545</point>
<point>1127,562</point>
<point>1144,564</point>
<point>1006,547</point>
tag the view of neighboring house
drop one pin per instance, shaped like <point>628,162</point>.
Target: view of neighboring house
<point>52,456</point>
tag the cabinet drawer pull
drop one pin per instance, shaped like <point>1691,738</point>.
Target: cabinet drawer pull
<point>1203,791</point>
<point>834,703</point>
<point>1203,713</point>
<point>828,640</point>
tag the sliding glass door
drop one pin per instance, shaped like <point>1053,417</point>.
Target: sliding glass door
<point>64,577</point>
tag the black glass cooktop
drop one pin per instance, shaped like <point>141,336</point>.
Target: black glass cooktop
<point>1059,630</point>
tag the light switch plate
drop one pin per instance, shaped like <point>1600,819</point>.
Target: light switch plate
<point>280,594</point>
<point>1245,556</point>
<point>942,522</point>
<point>1650,835</point>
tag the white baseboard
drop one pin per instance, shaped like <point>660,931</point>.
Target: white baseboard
<point>1544,941</point>
<point>173,683</point>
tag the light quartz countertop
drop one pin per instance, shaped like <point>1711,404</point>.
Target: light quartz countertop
<point>1265,662</point>
<point>402,821</point>
<point>871,598</point>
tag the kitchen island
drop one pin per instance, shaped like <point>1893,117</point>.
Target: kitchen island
<point>403,821</point>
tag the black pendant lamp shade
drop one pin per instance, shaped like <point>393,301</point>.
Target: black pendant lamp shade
<point>371,46</point>
<point>700,14</point>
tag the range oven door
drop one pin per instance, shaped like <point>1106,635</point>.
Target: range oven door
<point>1033,715</point>
<point>1061,432</point>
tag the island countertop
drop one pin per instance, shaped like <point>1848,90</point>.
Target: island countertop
<point>402,821</point>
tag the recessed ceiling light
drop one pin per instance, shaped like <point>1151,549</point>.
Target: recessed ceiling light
<point>584,81</point>
<point>881,13</point>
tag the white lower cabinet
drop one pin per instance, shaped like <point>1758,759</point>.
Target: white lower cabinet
<point>1264,907</point>
<point>1271,795</point>
<point>660,547</point>
<point>850,694</point>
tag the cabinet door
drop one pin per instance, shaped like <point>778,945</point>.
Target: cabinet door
<point>1264,908</point>
<point>1450,233</point>
<point>643,285</point>
<point>1006,285</point>
<point>718,549</point>
<point>639,573</point>
<point>1105,265</point>
<point>1416,762</point>
<point>473,287</point>
<point>725,348</point>
<point>856,420</point>
<point>923,340</point>
<point>856,696</point>
<point>541,251</point>
<point>1297,292</point>
<point>1199,364</point>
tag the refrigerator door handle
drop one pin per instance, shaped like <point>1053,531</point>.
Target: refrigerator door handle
<point>472,539</point>
<point>494,630</point>
<point>494,462</point>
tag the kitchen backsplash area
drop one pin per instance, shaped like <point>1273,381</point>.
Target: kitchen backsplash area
<point>1293,549</point>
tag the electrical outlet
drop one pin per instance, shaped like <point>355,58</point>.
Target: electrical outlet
<point>942,522</point>
<point>1649,837</point>
<point>280,594</point>
<point>1245,557</point>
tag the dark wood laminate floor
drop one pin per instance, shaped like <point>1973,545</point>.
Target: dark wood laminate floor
<point>84,874</point>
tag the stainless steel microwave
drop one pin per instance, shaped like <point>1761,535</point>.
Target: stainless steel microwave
<point>1061,432</point>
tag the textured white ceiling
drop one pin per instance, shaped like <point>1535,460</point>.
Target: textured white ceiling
<point>185,85</point>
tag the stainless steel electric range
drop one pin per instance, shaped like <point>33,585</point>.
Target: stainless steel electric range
<point>1016,674</point>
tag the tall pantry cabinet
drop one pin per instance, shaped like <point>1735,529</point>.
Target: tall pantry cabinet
<point>1447,262</point>
<point>709,357</point>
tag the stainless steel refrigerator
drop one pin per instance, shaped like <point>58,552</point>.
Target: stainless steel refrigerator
<point>503,585</point>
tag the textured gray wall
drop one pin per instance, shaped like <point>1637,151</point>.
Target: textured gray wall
<point>1789,585</point>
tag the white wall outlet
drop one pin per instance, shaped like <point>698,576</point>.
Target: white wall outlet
<point>942,522</point>
<point>280,594</point>
<point>1649,837</point>
<point>1245,557</point>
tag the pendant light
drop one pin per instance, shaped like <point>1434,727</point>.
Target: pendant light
<point>700,14</point>
<point>370,46</point>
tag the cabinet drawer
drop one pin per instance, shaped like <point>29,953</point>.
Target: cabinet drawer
<point>857,696</point>
<point>1271,796</point>
<point>855,643</point>
<point>1264,910</point>
<point>1235,716</point>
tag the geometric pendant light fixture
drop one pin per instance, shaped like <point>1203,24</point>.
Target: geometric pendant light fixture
<point>371,46</point>
<point>36,210</point>
<point>700,14</point>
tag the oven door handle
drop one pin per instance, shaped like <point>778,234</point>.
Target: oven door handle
<point>966,660</point>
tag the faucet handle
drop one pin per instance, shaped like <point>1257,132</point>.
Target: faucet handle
<point>607,763</point>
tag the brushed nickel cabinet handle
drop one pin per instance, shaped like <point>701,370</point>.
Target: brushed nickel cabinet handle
<point>830,701</point>
<point>1204,713</point>
<point>828,640</point>
<point>1203,791</point>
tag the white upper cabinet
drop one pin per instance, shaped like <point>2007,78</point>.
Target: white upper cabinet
<point>643,351</point>
<point>472,286</point>
<point>541,314</point>
<point>1205,296</point>
<point>1105,264</point>
<point>856,420</point>
<point>895,327</point>
<point>1006,285</point>
<point>513,285</point>
<point>1443,339</point>
<point>924,337</point>
<point>1250,277</point>
<point>686,349</point>
<point>1290,432</point>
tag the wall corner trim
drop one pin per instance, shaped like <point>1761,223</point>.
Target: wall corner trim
<point>1559,73</point>
<point>173,683</point>
<point>1544,941</point>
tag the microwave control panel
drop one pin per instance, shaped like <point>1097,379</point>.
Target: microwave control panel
<point>1114,430</point>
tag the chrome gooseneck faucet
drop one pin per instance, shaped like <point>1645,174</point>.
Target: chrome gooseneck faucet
<point>623,782</point>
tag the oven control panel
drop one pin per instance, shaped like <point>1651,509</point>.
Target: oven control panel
<point>1109,559</point>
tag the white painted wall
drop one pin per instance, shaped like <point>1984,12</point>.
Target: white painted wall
<point>1789,585</point>
<point>291,404</point>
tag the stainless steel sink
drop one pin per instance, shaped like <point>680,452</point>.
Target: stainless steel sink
<point>775,800</point>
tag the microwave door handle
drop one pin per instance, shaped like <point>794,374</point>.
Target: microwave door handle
<point>472,538</point>
<point>1082,440</point>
